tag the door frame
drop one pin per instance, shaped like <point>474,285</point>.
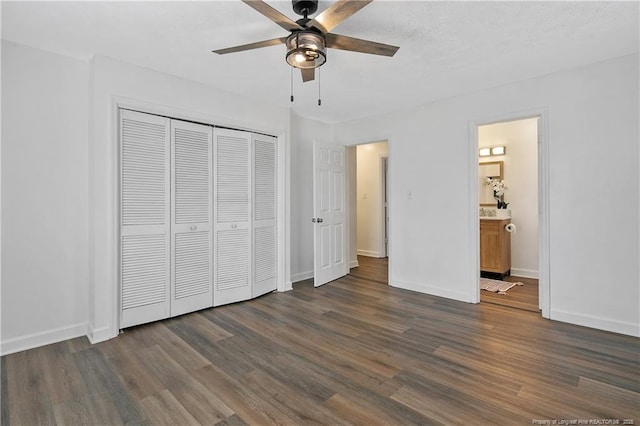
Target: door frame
<point>544,279</point>
<point>353,196</point>
<point>383,250</point>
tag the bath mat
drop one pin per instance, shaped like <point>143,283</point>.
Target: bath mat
<point>500,287</point>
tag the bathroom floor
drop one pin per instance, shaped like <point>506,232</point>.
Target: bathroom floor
<point>521,297</point>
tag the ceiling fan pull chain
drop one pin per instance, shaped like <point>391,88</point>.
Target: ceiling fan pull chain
<point>319,100</point>
<point>291,84</point>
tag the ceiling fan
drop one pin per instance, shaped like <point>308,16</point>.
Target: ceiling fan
<point>310,37</point>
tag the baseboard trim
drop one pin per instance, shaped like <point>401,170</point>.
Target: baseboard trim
<point>524,273</point>
<point>354,264</point>
<point>301,276</point>
<point>599,323</point>
<point>430,290</point>
<point>99,335</point>
<point>48,337</point>
<point>288,286</point>
<point>368,253</point>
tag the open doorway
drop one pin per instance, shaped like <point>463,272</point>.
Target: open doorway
<point>369,211</point>
<point>509,213</point>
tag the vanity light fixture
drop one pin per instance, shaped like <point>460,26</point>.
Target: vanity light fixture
<point>496,150</point>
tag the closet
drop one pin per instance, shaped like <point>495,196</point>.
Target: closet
<point>197,216</point>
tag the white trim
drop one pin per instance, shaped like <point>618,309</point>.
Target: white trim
<point>111,264</point>
<point>474,219</point>
<point>599,323</point>
<point>42,338</point>
<point>390,262</point>
<point>354,264</point>
<point>440,291</point>
<point>301,276</point>
<point>99,335</point>
<point>544,282</point>
<point>544,242</point>
<point>524,273</point>
<point>283,212</point>
<point>382,158</point>
<point>368,253</point>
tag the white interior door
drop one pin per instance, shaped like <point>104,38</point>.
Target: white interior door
<point>144,218</point>
<point>329,199</point>
<point>191,278</point>
<point>264,214</point>
<point>232,240</point>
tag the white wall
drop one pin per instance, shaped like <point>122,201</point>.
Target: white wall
<point>520,138</point>
<point>593,126</point>
<point>44,197</point>
<point>59,184</point>
<point>59,195</point>
<point>303,132</point>
<point>116,82</point>
<point>369,199</point>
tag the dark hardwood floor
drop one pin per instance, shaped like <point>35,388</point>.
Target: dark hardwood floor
<point>354,351</point>
<point>520,297</point>
<point>372,269</point>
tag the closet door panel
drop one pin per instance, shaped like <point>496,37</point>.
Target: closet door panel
<point>191,277</point>
<point>144,218</point>
<point>264,214</point>
<point>232,248</point>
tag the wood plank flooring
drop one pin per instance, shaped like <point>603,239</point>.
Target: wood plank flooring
<point>354,351</point>
<point>372,269</point>
<point>520,297</point>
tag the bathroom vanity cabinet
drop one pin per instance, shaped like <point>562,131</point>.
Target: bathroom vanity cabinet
<point>495,246</point>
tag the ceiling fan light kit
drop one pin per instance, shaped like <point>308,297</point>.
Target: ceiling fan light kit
<point>306,49</point>
<point>309,39</point>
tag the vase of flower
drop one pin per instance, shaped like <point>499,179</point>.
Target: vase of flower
<point>503,213</point>
<point>499,188</point>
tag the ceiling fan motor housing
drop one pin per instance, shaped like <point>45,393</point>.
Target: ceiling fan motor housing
<point>305,7</point>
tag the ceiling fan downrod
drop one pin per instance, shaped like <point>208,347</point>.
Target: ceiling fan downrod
<point>305,7</point>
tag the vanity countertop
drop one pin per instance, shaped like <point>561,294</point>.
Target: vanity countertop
<point>494,218</point>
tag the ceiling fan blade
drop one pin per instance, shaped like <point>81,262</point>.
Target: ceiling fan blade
<point>341,42</point>
<point>336,13</point>
<point>250,46</point>
<point>308,74</point>
<point>273,14</point>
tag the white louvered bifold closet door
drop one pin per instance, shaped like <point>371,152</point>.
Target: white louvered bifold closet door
<point>232,240</point>
<point>264,214</point>
<point>144,218</point>
<point>191,277</point>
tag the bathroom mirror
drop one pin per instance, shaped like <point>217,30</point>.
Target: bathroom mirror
<point>492,169</point>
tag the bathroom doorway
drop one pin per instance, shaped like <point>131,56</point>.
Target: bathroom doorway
<point>509,210</point>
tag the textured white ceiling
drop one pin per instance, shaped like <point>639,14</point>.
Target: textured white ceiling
<point>446,48</point>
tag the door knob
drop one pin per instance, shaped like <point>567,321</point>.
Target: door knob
<point>313,219</point>
<point>320,220</point>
